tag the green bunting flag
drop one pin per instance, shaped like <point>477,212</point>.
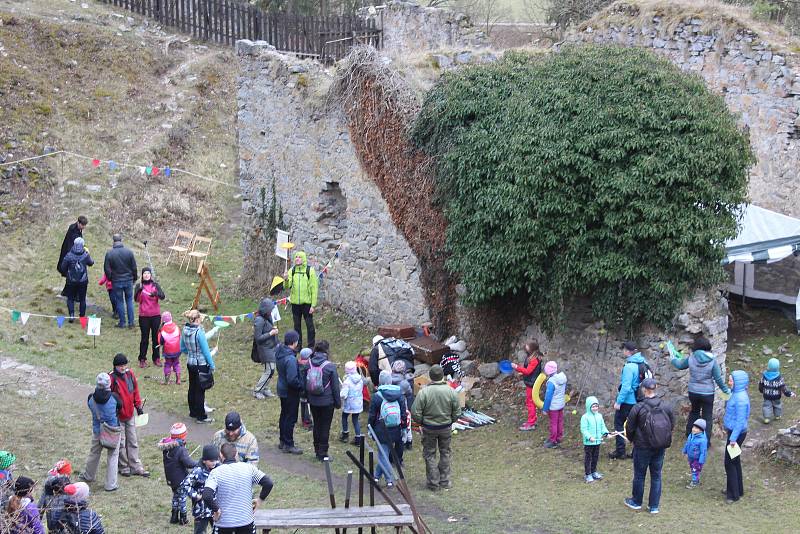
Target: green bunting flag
<point>15,315</point>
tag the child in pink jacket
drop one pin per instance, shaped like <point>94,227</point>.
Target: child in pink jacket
<point>105,281</point>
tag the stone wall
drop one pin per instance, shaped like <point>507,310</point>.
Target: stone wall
<point>286,132</point>
<point>787,444</point>
<point>409,27</point>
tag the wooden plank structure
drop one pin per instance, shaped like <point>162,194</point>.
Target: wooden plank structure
<point>328,38</point>
<point>207,284</point>
<point>331,518</point>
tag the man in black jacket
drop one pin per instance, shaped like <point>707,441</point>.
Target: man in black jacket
<point>120,268</point>
<point>649,427</point>
<point>75,230</point>
<point>290,387</point>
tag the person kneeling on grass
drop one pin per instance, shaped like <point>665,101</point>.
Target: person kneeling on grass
<point>593,430</point>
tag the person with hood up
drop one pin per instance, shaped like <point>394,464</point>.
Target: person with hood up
<point>695,450</point>
<point>22,512</point>
<point>177,464</point>
<point>772,386</point>
<point>352,393</point>
<point>75,267</point>
<point>169,337</point>
<point>303,285</point>
<point>147,294</point>
<point>554,402</point>
<point>737,412</point>
<point>290,387</point>
<point>322,388</point>
<point>126,388</point>
<point>76,516</point>
<point>402,378</point>
<point>387,416</point>
<point>120,267</point>
<point>704,372</point>
<point>626,398</point>
<point>192,486</point>
<point>51,502</point>
<point>593,430</point>
<point>302,364</point>
<point>74,231</point>
<point>194,344</point>
<point>103,407</point>
<point>265,341</point>
<point>235,433</point>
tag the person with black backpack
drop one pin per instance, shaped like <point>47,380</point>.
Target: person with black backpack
<point>649,427</point>
<point>74,266</point>
<point>634,372</point>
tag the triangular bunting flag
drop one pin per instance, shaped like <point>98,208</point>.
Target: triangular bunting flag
<point>249,315</point>
<point>142,170</point>
<point>84,322</point>
<point>60,321</point>
<point>24,316</point>
<point>233,319</point>
<point>155,171</point>
<point>148,170</point>
<point>113,165</point>
<point>14,315</point>
<point>95,163</point>
<point>217,317</point>
<point>167,172</point>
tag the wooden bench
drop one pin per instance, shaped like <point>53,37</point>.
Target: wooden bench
<point>333,518</point>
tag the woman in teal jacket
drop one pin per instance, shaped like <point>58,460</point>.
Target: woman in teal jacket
<point>737,412</point>
<point>593,430</point>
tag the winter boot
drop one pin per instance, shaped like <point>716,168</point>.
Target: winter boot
<point>166,380</point>
<point>182,518</point>
<point>177,378</point>
<point>357,440</point>
<point>157,361</point>
<point>343,438</point>
<point>174,517</point>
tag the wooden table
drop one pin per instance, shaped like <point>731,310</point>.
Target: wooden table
<point>333,518</point>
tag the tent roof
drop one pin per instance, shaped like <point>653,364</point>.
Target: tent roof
<point>765,236</point>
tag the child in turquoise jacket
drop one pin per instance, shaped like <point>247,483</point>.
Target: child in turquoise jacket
<point>593,430</point>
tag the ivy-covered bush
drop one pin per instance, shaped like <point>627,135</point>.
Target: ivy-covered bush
<point>599,172</point>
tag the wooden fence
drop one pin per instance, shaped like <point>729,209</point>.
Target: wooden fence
<point>226,21</point>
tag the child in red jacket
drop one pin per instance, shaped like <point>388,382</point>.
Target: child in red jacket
<point>106,282</point>
<point>530,371</point>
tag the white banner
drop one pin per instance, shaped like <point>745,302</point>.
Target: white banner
<point>281,237</point>
<point>93,326</point>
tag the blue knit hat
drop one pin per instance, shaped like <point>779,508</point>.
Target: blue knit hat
<point>774,364</point>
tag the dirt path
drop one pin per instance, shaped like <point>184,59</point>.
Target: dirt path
<point>34,380</point>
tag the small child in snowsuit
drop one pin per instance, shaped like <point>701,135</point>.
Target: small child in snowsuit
<point>772,387</point>
<point>177,464</point>
<point>106,282</point>
<point>169,337</point>
<point>593,430</point>
<point>530,371</point>
<point>305,413</point>
<point>352,393</point>
<point>554,401</point>
<point>193,486</point>
<point>695,450</point>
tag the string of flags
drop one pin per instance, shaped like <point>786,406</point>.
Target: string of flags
<point>91,324</point>
<point>112,165</point>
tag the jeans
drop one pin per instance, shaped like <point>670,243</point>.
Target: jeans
<point>123,296</point>
<point>620,416</point>
<point>356,423</point>
<point>591,453</point>
<point>92,462</point>
<point>266,376</point>
<point>323,416</point>
<point>197,395</point>
<point>771,407</point>
<point>431,440</point>
<point>733,470</point>
<point>556,425</point>
<point>644,459</point>
<point>129,461</point>
<point>200,525</point>
<point>76,292</point>
<point>288,418</point>
<point>149,328</point>
<point>529,404</point>
<point>384,468</point>
<point>702,406</point>
<point>304,311</point>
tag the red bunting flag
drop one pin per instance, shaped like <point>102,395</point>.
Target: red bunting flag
<point>95,163</point>
<point>84,322</point>
<point>155,171</point>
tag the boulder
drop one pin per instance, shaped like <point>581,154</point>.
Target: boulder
<point>488,370</point>
<point>788,439</point>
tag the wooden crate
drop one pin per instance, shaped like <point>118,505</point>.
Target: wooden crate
<point>428,350</point>
<point>398,331</point>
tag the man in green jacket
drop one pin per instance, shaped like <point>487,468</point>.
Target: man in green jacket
<point>436,408</point>
<point>302,282</point>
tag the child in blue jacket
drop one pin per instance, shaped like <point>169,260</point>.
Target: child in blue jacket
<point>695,450</point>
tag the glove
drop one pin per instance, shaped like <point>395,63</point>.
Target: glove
<point>139,410</point>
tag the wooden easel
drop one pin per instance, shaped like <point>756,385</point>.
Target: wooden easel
<point>208,284</point>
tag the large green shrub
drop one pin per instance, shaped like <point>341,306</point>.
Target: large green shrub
<point>602,172</point>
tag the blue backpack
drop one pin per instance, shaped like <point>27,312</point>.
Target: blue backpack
<point>390,412</point>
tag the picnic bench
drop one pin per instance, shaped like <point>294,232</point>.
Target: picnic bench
<point>334,518</point>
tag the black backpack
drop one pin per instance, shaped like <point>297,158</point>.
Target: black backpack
<point>395,349</point>
<point>644,372</point>
<point>657,427</point>
<point>76,271</point>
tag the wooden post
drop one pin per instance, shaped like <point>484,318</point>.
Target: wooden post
<point>329,477</point>
<point>361,479</point>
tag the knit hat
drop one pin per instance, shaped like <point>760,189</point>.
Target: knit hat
<point>700,423</point>
<point>210,452</point>
<point>377,339</point>
<point>178,431</point>
<point>649,383</point>
<point>550,368</point>
<point>436,373</point>
<point>62,467</point>
<point>103,380</point>
<point>631,346</point>
<point>22,486</point>
<point>78,245</point>
<point>291,337</point>
<point>166,317</point>
<point>79,491</point>
<point>350,367</point>
<point>306,353</point>
<point>399,366</point>
<point>233,421</point>
<point>120,359</point>
<point>147,270</point>
<point>774,365</point>
<point>385,378</point>
<point>6,459</point>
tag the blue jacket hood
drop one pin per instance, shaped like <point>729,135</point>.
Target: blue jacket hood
<point>390,392</point>
<point>635,358</point>
<point>265,307</point>
<point>740,380</point>
<point>77,247</point>
<point>703,357</point>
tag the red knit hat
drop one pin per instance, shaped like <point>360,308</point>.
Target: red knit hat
<point>178,431</point>
<point>62,467</point>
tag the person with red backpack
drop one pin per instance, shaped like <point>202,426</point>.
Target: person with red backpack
<point>530,371</point>
<point>322,388</point>
<point>169,338</point>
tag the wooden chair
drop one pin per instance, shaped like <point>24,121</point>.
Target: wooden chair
<point>198,253</point>
<point>182,245</point>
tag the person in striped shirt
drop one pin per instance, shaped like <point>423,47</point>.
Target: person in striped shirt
<point>229,493</point>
